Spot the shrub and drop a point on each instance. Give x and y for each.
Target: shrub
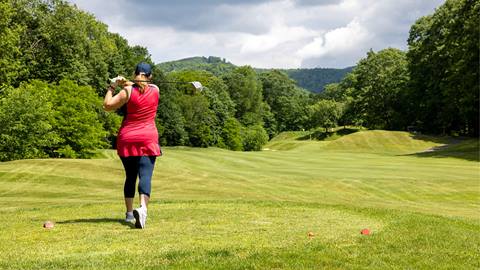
(26, 118)
(40, 120)
(77, 120)
(231, 134)
(254, 137)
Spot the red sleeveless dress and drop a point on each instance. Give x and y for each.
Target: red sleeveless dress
(138, 135)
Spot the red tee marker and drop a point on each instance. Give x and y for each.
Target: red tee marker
(365, 232)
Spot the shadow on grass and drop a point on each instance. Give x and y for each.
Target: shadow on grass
(321, 135)
(98, 220)
(461, 148)
(436, 139)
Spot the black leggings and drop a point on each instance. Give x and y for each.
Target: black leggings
(141, 167)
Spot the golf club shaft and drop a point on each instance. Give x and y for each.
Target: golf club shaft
(162, 82)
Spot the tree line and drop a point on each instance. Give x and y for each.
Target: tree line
(56, 59)
(433, 87)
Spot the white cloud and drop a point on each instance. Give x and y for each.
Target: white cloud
(278, 35)
(267, 33)
(337, 41)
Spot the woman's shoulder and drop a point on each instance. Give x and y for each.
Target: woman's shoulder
(154, 86)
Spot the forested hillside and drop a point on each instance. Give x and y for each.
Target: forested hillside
(313, 79)
(216, 65)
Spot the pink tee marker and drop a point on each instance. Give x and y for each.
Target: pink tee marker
(48, 225)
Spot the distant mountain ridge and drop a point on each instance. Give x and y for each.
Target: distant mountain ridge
(313, 79)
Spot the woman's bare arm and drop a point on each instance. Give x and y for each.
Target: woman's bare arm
(113, 102)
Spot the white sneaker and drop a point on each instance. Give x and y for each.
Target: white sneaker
(129, 217)
(140, 215)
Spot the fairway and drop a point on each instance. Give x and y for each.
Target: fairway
(218, 209)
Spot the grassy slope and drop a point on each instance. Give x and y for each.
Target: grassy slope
(220, 209)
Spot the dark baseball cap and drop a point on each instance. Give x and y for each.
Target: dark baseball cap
(143, 68)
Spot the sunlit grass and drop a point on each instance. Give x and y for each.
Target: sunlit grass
(218, 209)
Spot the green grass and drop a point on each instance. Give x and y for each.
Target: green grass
(218, 209)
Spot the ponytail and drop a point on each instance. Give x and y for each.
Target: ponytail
(142, 86)
(143, 83)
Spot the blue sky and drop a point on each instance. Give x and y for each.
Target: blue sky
(263, 33)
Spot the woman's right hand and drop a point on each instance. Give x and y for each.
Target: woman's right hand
(118, 81)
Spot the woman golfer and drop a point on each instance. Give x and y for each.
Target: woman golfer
(137, 141)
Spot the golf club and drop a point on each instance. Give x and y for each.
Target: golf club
(196, 85)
